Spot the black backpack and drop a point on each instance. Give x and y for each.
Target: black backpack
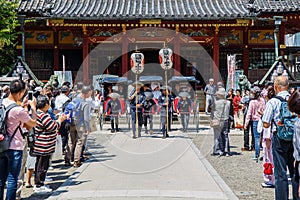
(5, 139)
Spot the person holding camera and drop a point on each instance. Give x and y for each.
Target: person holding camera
(11, 160)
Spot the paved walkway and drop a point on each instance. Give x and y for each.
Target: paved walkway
(145, 168)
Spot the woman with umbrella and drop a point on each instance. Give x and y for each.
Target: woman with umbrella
(183, 108)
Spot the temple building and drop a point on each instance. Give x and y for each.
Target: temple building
(73, 28)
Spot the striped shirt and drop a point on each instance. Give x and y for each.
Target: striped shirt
(45, 134)
(272, 110)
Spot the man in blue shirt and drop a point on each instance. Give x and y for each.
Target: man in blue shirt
(282, 149)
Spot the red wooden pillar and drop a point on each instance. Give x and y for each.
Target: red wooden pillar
(85, 47)
(56, 51)
(124, 68)
(281, 39)
(216, 55)
(176, 56)
(246, 63)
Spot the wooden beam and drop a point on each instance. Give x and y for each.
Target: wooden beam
(85, 51)
(246, 63)
(124, 68)
(216, 55)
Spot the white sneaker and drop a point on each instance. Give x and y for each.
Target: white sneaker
(48, 179)
(42, 189)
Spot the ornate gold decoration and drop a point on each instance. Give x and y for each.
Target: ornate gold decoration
(282, 46)
(242, 21)
(84, 30)
(217, 29)
(177, 28)
(150, 21)
(55, 21)
(124, 28)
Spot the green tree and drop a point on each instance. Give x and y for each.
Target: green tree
(8, 34)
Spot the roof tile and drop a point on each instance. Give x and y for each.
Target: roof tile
(170, 9)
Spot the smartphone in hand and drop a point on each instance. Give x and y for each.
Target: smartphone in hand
(30, 95)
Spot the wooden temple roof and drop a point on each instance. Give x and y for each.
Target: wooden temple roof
(146, 9)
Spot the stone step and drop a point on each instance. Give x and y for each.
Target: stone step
(203, 119)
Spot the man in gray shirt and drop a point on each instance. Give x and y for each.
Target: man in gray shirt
(209, 91)
(81, 129)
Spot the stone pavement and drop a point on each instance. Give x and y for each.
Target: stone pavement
(146, 168)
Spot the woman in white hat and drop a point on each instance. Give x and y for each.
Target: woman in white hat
(221, 112)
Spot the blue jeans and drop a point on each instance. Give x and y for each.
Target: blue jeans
(10, 165)
(256, 139)
(283, 158)
(185, 118)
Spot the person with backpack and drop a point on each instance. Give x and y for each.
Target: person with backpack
(15, 116)
(278, 117)
(79, 112)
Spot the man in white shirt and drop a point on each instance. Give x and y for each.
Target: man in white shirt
(62, 98)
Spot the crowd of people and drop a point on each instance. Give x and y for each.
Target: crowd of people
(144, 101)
(271, 114)
(50, 112)
(35, 117)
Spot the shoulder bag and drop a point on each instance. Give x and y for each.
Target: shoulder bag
(216, 123)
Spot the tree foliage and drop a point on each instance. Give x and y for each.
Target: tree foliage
(8, 33)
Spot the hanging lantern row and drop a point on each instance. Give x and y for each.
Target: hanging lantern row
(137, 60)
